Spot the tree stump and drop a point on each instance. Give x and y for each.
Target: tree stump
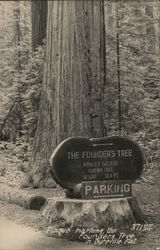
(66, 215)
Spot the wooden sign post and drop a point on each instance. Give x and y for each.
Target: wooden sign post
(98, 176)
(115, 159)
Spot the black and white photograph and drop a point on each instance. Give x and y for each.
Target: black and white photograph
(80, 125)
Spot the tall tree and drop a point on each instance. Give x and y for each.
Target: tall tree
(39, 22)
(73, 82)
(118, 72)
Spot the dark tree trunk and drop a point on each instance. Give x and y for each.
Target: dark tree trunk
(118, 74)
(21, 198)
(39, 22)
(72, 92)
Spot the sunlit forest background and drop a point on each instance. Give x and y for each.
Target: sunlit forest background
(132, 73)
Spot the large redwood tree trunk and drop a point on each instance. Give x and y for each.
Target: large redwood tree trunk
(72, 92)
(39, 22)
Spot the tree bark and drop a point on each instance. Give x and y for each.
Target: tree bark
(88, 214)
(21, 198)
(39, 22)
(118, 72)
(72, 91)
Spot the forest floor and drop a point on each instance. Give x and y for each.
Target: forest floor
(13, 163)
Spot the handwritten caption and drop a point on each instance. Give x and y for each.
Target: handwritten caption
(100, 236)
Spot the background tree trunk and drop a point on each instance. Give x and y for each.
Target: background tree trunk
(72, 91)
(39, 22)
(118, 72)
(21, 198)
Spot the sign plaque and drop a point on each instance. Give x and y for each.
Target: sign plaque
(79, 159)
(105, 189)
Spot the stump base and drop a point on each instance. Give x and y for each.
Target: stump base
(66, 215)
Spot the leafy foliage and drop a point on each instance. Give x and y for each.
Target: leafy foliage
(21, 70)
(31, 80)
(139, 68)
